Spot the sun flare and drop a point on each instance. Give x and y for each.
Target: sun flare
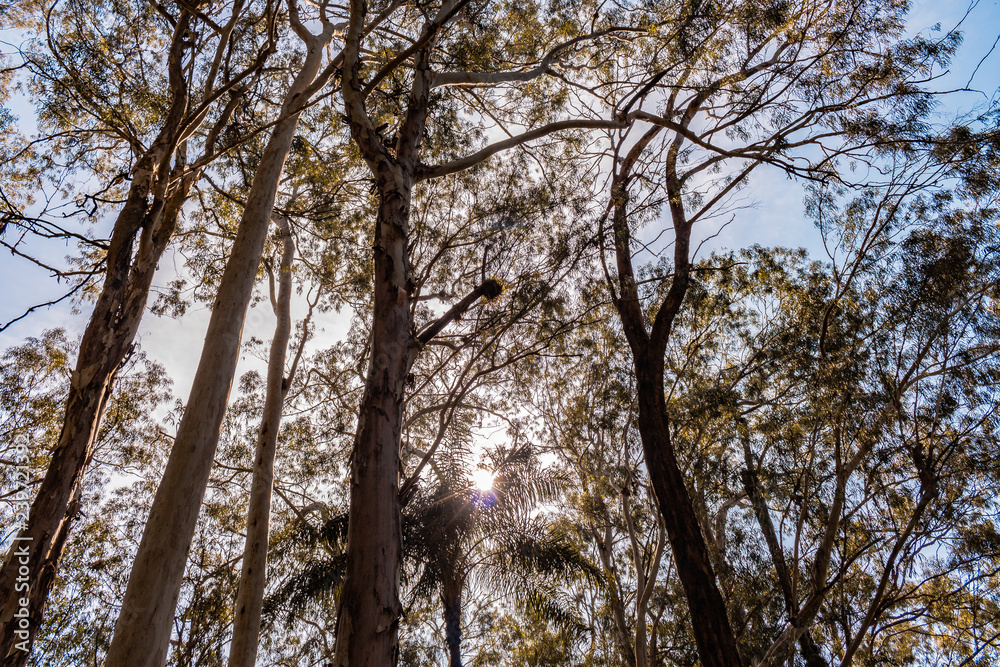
(482, 479)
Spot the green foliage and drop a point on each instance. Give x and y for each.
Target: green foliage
(864, 381)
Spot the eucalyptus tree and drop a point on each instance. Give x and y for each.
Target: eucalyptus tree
(587, 411)
(131, 455)
(143, 629)
(317, 206)
(803, 87)
(467, 375)
(250, 596)
(740, 313)
(838, 416)
(79, 622)
(314, 218)
(922, 340)
(99, 84)
(435, 48)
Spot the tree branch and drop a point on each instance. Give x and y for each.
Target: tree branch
(424, 172)
(490, 289)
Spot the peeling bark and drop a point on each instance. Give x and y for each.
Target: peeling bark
(367, 624)
(367, 627)
(370, 609)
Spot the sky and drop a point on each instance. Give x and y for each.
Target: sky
(776, 217)
(773, 216)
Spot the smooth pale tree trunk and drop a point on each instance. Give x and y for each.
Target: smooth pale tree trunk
(142, 632)
(250, 594)
(626, 642)
(644, 584)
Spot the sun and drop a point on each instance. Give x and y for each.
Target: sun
(482, 479)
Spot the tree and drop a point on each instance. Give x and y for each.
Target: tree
(143, 629)
(250, 597)
(370, 606)
(35, 385)
(743, 86)
(78, 79)
(588, 411)
(825, 398)
(467, 371)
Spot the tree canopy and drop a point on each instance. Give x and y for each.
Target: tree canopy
(471, 379)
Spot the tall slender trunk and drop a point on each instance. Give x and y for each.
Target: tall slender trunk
(645, 581)
(368, 618)
(624, 639)
(640, 647)
(451, 600)
(142, 632)
(250, 594)
(370, 610)
(717, 646)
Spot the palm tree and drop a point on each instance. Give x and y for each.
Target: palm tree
(457, 533)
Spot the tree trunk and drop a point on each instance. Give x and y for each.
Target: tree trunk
(640, 647)
(22, 638)
(368, 618)
(367, 627)
(250, 594)
(142, 632)
(625, 641)
(645, 582)
(712, 632)
(106, 342)
(451, 599)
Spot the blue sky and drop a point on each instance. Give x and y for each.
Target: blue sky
(776, 216)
